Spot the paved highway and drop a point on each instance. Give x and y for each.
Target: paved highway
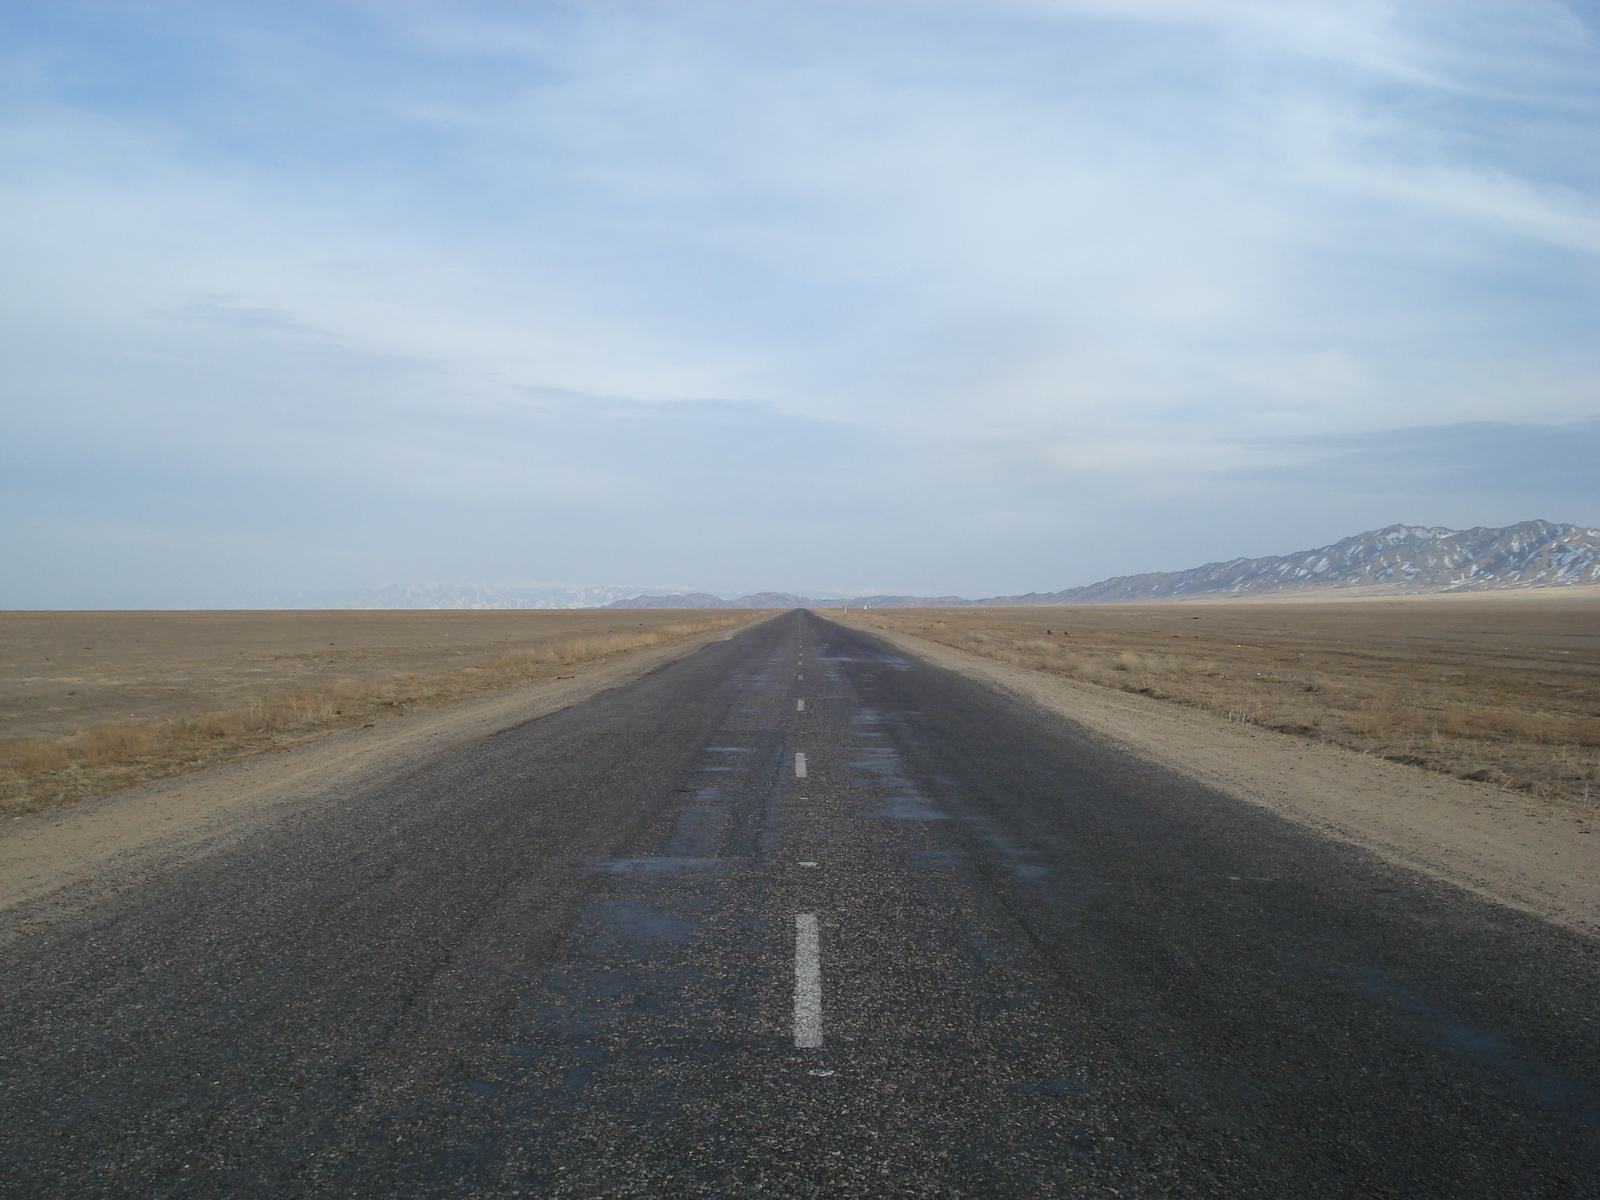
(798, 916)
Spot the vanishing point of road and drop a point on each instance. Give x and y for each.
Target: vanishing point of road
(797, 915)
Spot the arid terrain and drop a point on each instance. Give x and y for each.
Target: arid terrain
(1502, 688)
(95, 701)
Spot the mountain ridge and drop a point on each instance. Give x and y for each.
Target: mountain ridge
(1402, 558)
(456, 596)
(1398, 559)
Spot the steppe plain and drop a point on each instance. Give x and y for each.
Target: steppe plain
(91, 702)
(1457, 734)
(1496, 687)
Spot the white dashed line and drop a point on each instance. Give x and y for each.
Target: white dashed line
(799, 706)
(807, 983)
(799, 765)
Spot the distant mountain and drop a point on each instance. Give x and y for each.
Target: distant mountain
(704, 600)
(903, 602)
(1399, 559)
(786, 600)
(457, 595)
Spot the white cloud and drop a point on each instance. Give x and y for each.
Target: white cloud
(1041, 259)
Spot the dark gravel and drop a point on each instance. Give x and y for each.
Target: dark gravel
(559, 962)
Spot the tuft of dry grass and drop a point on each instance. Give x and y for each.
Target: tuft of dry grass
(43, 771)
(1477, 703)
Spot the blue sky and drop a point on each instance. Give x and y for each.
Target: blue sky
(878, 295)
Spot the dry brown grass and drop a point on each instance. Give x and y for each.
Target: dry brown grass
(1500, 693)
(48, 769)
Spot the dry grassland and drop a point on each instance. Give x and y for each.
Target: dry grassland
(1491, 688)
(91, 702)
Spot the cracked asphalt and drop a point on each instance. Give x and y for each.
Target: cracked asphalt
(561, 961)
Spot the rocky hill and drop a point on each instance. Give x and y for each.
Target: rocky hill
(704, 600)
(1396, 560)
(449, 596)
(785, 600)
(1399, 559)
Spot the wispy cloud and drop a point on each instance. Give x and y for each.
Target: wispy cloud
(949, 296)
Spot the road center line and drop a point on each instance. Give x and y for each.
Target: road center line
(799, 765)
(799, 706)
(807, 983)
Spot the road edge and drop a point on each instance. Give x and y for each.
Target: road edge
(1499, 845)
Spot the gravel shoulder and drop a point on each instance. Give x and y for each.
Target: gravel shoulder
(1501, 845)
(56, 863)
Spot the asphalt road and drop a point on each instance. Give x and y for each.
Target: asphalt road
(575, 959)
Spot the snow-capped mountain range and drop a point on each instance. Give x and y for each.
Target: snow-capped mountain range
(1397, 560)
(1401, 558)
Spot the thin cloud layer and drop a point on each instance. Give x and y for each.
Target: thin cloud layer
(950, 297)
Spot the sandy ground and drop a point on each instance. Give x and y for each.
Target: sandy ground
(57, 863)
(1510, 848)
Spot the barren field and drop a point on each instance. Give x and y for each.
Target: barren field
(1504, 689)
(95, 701)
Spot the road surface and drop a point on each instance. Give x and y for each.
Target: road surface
(798, 916)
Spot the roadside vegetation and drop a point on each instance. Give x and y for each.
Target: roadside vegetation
(1385, 682)
(38, 772)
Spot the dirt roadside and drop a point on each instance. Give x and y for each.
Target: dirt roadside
(59, 862)
(1505, 846)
